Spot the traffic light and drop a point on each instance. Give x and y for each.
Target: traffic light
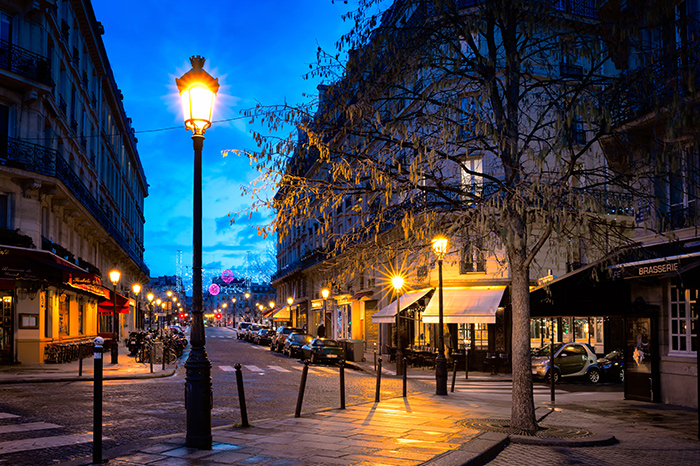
(218, 316)
(182, 316)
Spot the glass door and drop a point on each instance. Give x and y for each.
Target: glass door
(6, 333)
(641, 361)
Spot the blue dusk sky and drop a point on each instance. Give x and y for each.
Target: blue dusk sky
(260, 50)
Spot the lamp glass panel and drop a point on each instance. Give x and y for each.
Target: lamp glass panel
(197, 106)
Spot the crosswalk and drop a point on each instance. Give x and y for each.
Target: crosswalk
(491, 388)
(272, 369)
(45, 435)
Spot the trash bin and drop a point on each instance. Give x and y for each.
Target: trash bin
(354, 350)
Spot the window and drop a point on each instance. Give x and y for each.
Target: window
(470, 115)
(63, 314)
(678, 191)
(683, 318)
(472, 258)
(6, 28)
(471, 179)
(4, 217)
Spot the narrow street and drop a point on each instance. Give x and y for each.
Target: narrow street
(139, 409)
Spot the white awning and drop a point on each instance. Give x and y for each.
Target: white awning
(472, 305)
(387, 315)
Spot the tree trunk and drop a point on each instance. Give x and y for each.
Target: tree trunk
(523, 407)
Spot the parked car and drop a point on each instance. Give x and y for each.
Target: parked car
(612, 365)
(570, 360)
(280, 336)
(241, 328)
(251, 331)
(294, 342)
(322, 349)
(262, 336)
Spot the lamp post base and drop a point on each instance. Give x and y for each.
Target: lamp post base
(441, 375)
(399, 362)
(198, 399)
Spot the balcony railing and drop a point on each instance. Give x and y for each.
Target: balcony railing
(612, 203)
(46, 161)
(25, 63)
(680, 218)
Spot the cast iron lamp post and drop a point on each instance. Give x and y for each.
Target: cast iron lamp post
(324, 293)
(197, 91)
(150, 297)
(114, 276)
(290, 301)
(440, 249)
(397, 283)
(136, 288)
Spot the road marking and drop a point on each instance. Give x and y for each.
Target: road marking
(27, 427)
(227, 368)
(7, 415)
(327, 370)
(15, 446)
(252, 368)
(279, 369)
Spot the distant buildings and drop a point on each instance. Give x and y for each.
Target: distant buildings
(72, 187)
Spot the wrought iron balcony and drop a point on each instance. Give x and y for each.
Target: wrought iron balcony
(25, 63)
(680, 218)
(46, 161)
(612, 203)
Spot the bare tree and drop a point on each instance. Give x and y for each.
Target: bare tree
(475, 119)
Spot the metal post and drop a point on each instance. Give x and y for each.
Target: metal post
(151, 350)
(399, 350)
(198, 390)
(379, 381)
(165, 344)
(375, 360)
(241, 396)
(440, 362)
(97, 404)
(342, 384)
(551, 361)
(115, 329)
(80, 359)
(302, 387)
(466, 364)
(403, 362)
(454, 374)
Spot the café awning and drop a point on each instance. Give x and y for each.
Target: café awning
(34, 264)
(106, 306)
(468, 305)
(387, 315)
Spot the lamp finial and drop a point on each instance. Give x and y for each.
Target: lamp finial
(197, 62)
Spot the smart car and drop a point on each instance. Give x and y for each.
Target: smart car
(570, 360)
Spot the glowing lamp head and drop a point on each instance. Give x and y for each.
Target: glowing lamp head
(271, 304)
(136, 288)
(247, 295)
(150, 297)
(169, 293)
(397, 282)
(197, 92)
(114, 276)
(158, 301)
(440, 247)
(290, 300)
(325, 293)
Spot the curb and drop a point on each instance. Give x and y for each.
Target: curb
(595, 441)
(91, 378)
(476, 452)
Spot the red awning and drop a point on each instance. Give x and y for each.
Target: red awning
(33, 264)
(107, 306)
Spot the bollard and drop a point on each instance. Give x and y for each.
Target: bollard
(466, 364)
(151, 351)
(405, 370)
(241, 396)
(375, 360)
(379, 381)
(454, 375)
(80, 359)
(97, 403)
(165, 346)
(302, 387)
(342, 384)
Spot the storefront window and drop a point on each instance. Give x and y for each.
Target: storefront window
(81, 317)
(683, 320)
(63, 315)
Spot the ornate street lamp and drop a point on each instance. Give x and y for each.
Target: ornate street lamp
(114, 276)
(136, 288)
(397, 283)
(197, 91)
(150, 297)
(290, 301)
(440, 250)
(324, 293)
